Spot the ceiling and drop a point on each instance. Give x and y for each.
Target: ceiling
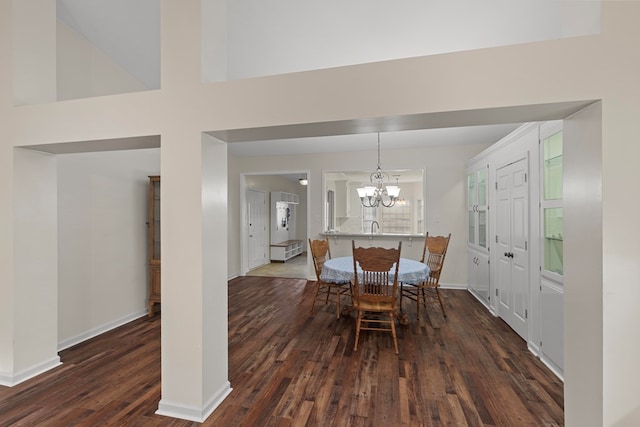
(368, 141)
(136, 47)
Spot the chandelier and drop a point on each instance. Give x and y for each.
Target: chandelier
(372, 196)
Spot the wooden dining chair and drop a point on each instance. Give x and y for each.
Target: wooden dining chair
(327, 291)
(433, 254)
(375, 290)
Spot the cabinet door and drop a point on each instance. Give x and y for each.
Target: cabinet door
(482, 215)
(342, 199)
(478, 207)
(471, 207)
(478, 271)
(482, 276)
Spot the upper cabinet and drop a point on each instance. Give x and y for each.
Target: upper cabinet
(478, 206)
(347, 202)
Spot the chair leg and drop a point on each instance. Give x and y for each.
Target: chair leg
(393, 331)
(337, 303)
(444, 313)
(358, 320)
(315, 297)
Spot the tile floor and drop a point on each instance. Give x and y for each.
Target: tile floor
(294, 268)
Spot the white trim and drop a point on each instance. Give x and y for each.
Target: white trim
(535, 350)
(100, 330)
(484, 303)
(199, 415)
(9, 380)
(505, 141)
(453, 286)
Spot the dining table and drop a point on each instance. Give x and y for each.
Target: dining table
(340, 270)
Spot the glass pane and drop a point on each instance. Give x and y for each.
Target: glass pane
(396, 219)
(472, 227)
(471, 187)
(552, 173)
(482, 229)
(553, 244)
(482, 187)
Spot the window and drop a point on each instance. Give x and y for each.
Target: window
(551, 203)
(347, 215)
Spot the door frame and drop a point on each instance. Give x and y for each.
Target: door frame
(244, 228)
(265, 257)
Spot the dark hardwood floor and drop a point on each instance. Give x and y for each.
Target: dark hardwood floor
(288, 367)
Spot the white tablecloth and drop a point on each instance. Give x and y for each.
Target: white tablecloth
(340, 270)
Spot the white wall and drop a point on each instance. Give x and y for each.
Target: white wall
(36, 331)
(84, 71)
(102, 243)
(34, 52)
(267, 38)
(445, 203)
(584, 323)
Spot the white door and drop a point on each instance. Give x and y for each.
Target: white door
(512, 231)
(257, 205)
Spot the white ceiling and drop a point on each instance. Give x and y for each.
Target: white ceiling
(126, 31)
(129, 33)
(368, 141)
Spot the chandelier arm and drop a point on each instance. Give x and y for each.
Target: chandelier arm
(378, 178)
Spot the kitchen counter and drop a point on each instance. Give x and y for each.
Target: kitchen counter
(338, 235)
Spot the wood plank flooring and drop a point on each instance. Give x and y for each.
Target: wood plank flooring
(289, 367)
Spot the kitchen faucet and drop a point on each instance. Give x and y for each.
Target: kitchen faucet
(374, 223)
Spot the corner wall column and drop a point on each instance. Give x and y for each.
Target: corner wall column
(194, 275)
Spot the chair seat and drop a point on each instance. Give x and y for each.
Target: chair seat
(376, 305)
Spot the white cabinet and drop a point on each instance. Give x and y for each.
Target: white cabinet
(343, 202)
(552, 326)
(478, 206)
(286, 250)
(478, 231)
(281, 196)
(478, 275)
(284, 244)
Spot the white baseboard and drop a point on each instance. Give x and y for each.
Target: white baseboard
(9, 380)
(174, 410)
(100, 330)
(453, 286)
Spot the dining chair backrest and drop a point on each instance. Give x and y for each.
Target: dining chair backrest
(434, 252)
(320, 252)
(373, 281)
